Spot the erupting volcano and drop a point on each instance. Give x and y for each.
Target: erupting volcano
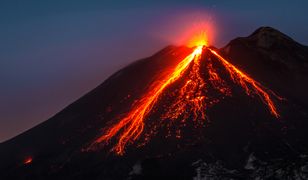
(186, 112)
(189, 99)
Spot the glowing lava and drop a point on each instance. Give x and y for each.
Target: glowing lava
(132, 125)
(250, 85)
(189, 100)
(28, 160)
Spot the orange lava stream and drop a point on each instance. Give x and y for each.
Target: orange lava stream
(246, 82)
(196, 92)
(190, 96)
(132, 125)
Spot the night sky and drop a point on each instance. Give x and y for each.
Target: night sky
(54, 51)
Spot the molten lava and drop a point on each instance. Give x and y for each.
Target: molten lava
(189, 101)
(132, 125)
(250, 85)
(28, 160)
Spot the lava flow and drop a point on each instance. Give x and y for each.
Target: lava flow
(245, 81)
(189, 101)
(132, 125)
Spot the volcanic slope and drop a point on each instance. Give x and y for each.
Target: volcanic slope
(230, 113)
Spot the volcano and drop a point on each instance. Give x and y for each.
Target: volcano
(239, 112)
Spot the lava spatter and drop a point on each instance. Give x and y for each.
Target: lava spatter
(191, 99)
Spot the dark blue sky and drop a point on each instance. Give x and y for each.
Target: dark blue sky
(54, 51)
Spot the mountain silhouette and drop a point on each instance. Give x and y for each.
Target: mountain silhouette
(235, 135)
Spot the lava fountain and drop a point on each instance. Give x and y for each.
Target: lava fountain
(191, 99)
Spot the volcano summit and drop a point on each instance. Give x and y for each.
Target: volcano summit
(183, 113)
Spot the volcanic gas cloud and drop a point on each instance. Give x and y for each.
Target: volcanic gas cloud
(190, 100)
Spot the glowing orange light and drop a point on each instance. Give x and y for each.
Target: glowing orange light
(199, 39)
(250, 85)
(28, 160)
(133, 123)
(189, 101)
(190, 28)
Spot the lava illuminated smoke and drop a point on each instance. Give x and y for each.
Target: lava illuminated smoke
(190, 100)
